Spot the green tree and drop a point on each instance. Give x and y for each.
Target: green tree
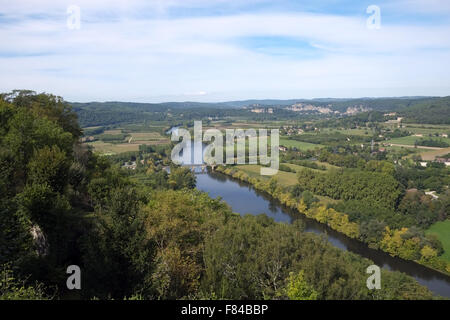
(298, 289)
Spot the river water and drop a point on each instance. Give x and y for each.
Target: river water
(244, 199)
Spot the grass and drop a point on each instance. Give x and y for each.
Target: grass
(112, 148)
(148, 136)
(410, 140)
(352, 132)
(113, 131)
(411, 148)
(297, 167)
(138, 138)
(442, 230)
(286, 179)
(430, 155)
(426, 129)
(300, 145)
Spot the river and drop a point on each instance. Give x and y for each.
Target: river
(244, 199)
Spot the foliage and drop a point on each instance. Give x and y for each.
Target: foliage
(298, 288)
(12, 288)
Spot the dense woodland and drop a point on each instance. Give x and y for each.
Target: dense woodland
(159, 238)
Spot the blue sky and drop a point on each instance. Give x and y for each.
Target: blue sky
(217, 50)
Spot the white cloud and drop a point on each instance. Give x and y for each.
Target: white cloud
(128, 58)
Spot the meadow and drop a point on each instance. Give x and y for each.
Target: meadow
(410, 140)
(353, 132)
(106, 148)
(442, 230)
(300, 145)
(286, 179)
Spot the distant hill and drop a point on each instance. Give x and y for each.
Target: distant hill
(414, 109)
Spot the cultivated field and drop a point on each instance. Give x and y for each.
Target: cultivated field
(112, 148)
(410, 140)
(284, 178)
(148, 136)
(300, 145)
(430, 155)
(353, 132)
(131, 142)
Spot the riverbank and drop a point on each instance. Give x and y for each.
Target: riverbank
(392, 239)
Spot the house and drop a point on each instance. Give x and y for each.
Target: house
(130, 165)
(432, 194)
(282, 148)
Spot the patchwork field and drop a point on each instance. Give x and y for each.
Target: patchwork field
(134, 140)
(442, 230)
(284, 178)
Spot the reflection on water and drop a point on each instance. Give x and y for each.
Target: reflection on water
(243, 199)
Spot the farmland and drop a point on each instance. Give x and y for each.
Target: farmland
(410, 140)
(119, 140)
(300, 145)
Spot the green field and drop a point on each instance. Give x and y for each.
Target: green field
(302, 146)
(426, 129)
(298, 167)
(108, 148)
(410, 140)
(352, 132)
(111, 148)
(286, 179)
(442, 230)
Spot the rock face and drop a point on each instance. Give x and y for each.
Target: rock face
(39, 240)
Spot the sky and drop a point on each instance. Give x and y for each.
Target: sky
(222, 50)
